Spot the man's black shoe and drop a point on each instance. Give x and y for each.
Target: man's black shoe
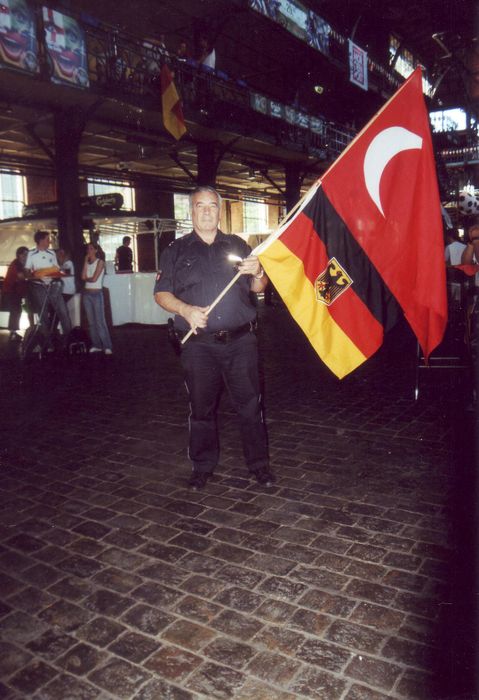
(264, 477)
(198, 480)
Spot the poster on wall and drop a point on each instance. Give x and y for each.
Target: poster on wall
(66, 48)
(358, 65)
(18, 40)
(297, 19)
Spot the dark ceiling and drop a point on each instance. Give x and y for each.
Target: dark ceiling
(439, 32)
(122, 141)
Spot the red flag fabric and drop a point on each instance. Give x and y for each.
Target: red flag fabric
(173, 119)
(367, 240)
(468, 270)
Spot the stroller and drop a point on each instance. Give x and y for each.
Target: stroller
(37, 341)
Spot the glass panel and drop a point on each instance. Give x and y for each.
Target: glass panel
(12, 195)
(182, 206)
(255, 217)
(406, 62)
(448, 120)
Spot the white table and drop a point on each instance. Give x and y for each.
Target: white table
(131, 301)
(131, 298)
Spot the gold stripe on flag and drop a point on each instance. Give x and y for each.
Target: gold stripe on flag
(332, 344)
(173, 119)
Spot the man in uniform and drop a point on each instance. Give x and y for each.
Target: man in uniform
(223, 346)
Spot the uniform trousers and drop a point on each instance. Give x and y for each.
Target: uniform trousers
(208, 365)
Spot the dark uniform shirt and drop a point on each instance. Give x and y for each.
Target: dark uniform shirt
(125, 258)
(197, 273)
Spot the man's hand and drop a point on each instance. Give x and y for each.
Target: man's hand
(197, 317)
(250, 266)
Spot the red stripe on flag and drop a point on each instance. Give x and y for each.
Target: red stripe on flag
(348, 310)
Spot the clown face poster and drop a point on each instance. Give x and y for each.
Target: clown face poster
(18, 40)
(66, 48)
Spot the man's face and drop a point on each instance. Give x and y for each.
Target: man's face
(205, 212)
(44, 243)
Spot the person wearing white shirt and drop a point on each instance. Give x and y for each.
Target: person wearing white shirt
(92, 274)
(470, 256)
(68, 269)
(454, 250)
(43, 272)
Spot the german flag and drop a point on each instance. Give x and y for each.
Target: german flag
(173, 119)
(367, 241)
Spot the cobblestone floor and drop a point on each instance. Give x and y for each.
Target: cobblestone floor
(351, 579)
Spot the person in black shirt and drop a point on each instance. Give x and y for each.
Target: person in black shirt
(124, 256)
(194, 269)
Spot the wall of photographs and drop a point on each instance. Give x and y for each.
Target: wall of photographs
(25, 35)
(297, 19)
(66, 48)
(18, 36)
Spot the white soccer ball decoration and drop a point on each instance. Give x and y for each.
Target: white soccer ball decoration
(468, 203)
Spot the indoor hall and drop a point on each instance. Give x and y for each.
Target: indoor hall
(353, 576)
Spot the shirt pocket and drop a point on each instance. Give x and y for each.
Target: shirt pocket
(188, 272)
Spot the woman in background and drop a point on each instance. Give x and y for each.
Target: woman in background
(92, 274)
(14, 290)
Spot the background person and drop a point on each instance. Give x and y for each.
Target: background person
(454, 248)
(43, 271)
(223, 348)
(92, 274)
(206, 54)
(68, 269)
(124, 256)
(14, 290)
(453, 256)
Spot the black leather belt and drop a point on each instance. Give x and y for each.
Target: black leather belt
(225, 336)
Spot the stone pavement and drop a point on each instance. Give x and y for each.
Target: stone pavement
(351, 579)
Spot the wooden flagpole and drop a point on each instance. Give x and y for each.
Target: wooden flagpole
(238, 275)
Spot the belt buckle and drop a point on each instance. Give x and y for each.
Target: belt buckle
(221, 336)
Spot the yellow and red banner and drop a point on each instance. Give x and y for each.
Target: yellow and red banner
(173, 119)
(368, 241)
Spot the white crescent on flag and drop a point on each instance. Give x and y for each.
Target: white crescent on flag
(387, 144)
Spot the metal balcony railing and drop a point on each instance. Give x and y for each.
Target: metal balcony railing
(122, 65)
(468, 155)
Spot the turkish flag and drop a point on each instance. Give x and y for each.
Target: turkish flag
(367, 241)
(384, 187)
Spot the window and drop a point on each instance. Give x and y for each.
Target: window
(448, 120)
(181, 203)
(109, 186)
(405, 62)
(12, 195)
(255, 217)
(110, 242)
